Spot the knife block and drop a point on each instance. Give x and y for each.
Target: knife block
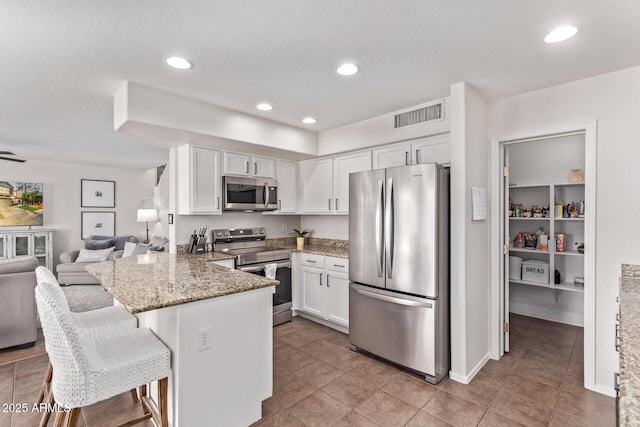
(197, 245)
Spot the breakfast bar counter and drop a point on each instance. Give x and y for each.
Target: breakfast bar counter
(216, 321)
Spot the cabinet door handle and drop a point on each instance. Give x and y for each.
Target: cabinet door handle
(338, 265)
(279, 205)
(218, 202)
(617, 337)
(406, 158)
(329, 204)
(255, 168)
(337, 204)
(246, 165)
(328, 286)
(417, 157)
(321, 278)
(312, 261)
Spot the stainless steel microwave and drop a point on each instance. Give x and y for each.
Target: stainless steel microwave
(249, 194)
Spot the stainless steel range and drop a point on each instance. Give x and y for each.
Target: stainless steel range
(252, 255)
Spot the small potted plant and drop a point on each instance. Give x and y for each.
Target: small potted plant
(300, 237)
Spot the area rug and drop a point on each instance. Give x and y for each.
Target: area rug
(87, 297)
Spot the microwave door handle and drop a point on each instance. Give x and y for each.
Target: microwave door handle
(379, 228)
(266, 194)
(388, 228)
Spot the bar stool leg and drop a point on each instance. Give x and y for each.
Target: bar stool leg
(162, 397)
(44, 420)
(72, 417)
(134, 395)
(46, 384)
(59, 420)
(143, 394)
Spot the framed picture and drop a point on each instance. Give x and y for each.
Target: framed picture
(97, 194)
(98, 223)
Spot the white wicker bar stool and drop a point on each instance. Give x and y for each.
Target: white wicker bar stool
(90, 369)
(101, 322)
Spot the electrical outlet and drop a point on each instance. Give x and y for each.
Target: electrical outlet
(204, 338)
(284, 226)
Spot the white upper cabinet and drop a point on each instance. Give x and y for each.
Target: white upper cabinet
(199, 181)
(287, 176)
(325, 182)
(317, 185)
(263, 167)
(342, 167)
(435, 149)
(431, 150)
(392, 156)
(245, 165)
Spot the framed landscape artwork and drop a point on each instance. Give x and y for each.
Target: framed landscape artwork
(21, 204)
(97, 194)
(98, 223)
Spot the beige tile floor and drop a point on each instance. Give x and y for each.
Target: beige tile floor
(319, 382)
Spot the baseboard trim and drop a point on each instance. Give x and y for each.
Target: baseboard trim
(466, 379)
(543, 316)
(322, 321)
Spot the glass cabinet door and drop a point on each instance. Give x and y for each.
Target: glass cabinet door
(21, 245)
(3, 247)
(39, 245)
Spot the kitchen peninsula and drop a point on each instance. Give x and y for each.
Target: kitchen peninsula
(216, 321)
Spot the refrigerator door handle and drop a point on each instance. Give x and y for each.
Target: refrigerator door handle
(388, 228)
(394, 300)
(379, 228)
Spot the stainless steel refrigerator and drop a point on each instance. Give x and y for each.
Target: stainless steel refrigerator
(399, 266)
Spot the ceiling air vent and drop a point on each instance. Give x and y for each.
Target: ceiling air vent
(421, 115)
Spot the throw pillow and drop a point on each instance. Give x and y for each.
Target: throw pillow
(157, 243)
(87, 255)
(98, 244)
(133, 249)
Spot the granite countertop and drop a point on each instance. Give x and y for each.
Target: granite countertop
(326, 247)
(149, 282)
(629, 345)
(321, 250)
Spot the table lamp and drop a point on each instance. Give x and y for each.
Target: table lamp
(146, 215)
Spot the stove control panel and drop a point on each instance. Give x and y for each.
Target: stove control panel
(238, 234)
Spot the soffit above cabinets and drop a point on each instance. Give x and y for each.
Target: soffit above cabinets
(163, 120)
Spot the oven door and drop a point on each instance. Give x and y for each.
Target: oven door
(242, 194)
(282, 296)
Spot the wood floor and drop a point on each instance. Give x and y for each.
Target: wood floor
(319, 382)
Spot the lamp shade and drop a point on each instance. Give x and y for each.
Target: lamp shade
(147, 215)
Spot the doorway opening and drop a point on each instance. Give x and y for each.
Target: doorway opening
(543, 298)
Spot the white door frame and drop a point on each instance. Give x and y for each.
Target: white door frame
(497, 239)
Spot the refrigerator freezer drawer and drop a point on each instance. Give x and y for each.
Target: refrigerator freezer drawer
(397, 327)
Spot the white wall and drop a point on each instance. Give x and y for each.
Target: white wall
(62, 197)
(613, 100)
(470, 304)
(377, 131)
(327, 226)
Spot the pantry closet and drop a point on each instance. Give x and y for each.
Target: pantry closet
(545, 205)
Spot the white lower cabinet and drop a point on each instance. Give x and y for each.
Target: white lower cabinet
(337, 309)
(321, 287)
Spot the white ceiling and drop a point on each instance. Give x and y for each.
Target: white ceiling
(64, 59)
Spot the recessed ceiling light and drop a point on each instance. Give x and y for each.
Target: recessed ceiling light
(179, 63)
(347, 69)
(264, 107)
(561, 34)
(309, 120)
